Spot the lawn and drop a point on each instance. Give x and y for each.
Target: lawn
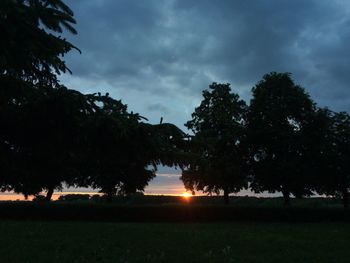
(34, 241)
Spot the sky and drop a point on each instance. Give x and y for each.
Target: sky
(158, 56)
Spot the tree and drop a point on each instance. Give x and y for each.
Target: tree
(31, 48)
(31, 56)
(116, 160)
(48, 141)
(333, 176)
(122, 152)
(216, 147)
(277, 122)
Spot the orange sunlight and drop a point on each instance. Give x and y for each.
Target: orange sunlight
(186, 196)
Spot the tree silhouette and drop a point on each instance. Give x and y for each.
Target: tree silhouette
(122, 152)
(333, 176)
(216, 147)
(114, 160)
(278, 117)
(48, 141)
(31, 56)
(31, 48)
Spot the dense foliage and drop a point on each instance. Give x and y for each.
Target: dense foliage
(31, 47)
(332, 172)
(218, 127)
(277, 123)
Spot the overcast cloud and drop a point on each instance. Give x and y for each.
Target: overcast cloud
(157, 56)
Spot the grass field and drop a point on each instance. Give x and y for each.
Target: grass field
(171, 212)
(34, 241)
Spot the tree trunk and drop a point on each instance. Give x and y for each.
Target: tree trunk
(286, 197)
(226, 196)
(346, 198)
(109, 195)
(49, 194)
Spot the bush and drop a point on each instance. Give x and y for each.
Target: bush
(74, 197)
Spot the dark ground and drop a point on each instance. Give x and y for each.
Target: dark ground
(35, 241)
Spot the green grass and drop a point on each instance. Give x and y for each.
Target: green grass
(34, 241)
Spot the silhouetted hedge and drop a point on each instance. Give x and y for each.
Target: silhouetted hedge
(74, 197)
(167, 213)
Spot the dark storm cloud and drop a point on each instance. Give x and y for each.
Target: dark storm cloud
(157, 56)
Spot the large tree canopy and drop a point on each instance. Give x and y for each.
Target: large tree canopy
(278, 118)
(122, 152)
(38, 116)
(47, 141)
(110, 148)
(216, 147)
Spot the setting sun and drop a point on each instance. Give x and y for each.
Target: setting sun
(186, 195)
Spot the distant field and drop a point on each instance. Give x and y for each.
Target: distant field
(178, 209)
(202, 200)
(36, 242)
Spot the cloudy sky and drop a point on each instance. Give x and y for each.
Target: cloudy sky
(157, 56)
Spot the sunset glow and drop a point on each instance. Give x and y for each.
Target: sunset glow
(186, 195)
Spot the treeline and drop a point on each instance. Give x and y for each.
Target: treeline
(281, 142)
(51, 135)
(59, 136)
